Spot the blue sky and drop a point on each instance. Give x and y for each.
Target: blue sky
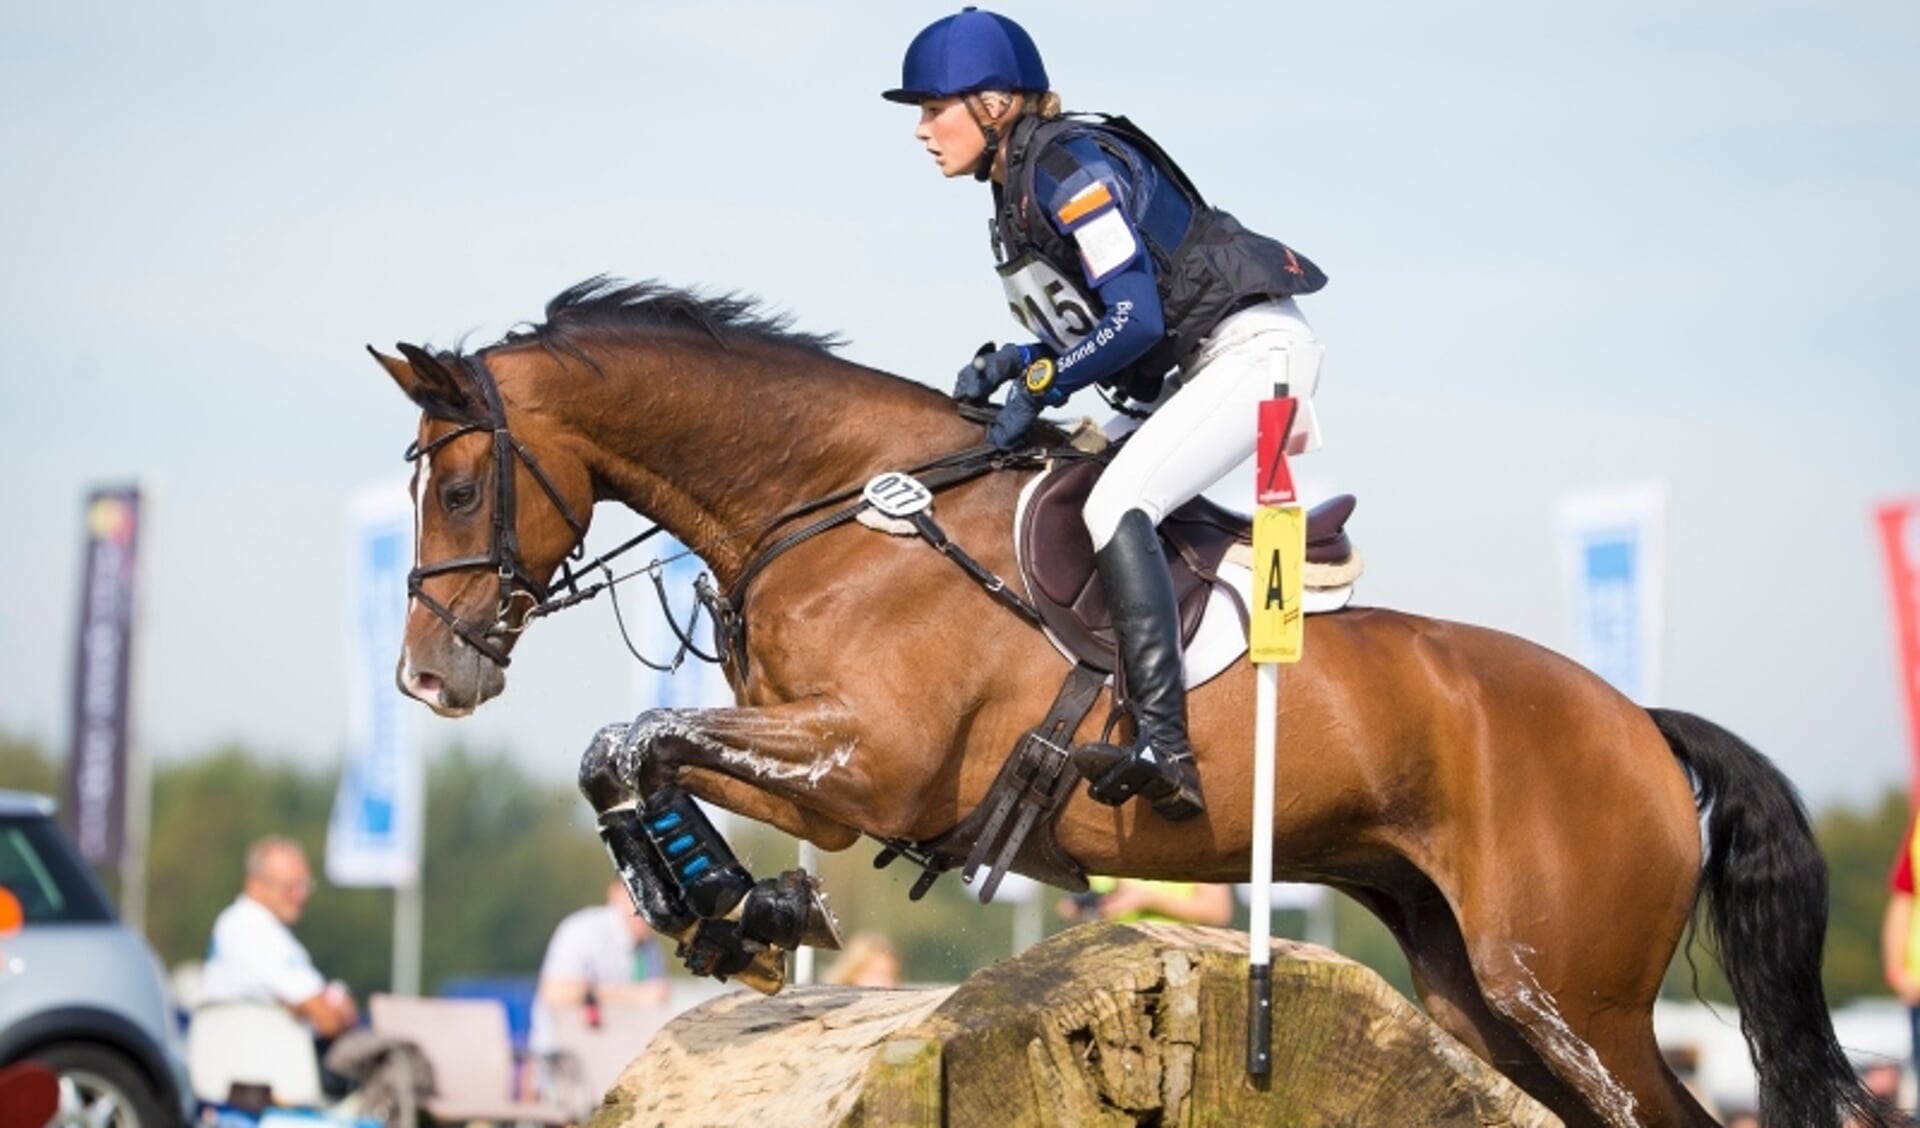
(1571, 247)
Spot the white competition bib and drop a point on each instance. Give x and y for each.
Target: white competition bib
(1050, 306)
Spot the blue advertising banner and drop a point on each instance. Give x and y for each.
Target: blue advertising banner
(373, 836)
(696, 684)
(96, 808)
(1612, 561)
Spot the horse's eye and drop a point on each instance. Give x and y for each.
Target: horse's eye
(459, 495)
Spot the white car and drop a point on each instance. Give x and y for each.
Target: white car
(81, 992)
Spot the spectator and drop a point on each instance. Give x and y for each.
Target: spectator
(254, 957)
(1881, 1079)
(869, 960)
(1130, 899)
(602, 954)
(1899, 942)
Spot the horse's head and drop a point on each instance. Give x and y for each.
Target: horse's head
(482, 561)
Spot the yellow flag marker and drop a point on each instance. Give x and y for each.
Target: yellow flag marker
(1279, 555)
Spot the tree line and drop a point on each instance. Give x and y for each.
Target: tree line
(507, 855)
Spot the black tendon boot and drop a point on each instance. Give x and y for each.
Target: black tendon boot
(700, 861)
(1147, 620)
(655, 895)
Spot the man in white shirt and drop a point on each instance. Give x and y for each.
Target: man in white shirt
(600, 954)
(254, 956)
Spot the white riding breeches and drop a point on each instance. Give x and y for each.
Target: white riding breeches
(1203, 424)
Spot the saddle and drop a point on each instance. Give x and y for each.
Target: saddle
(1056, 558)
(1055, 551)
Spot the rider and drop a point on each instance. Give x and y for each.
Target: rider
(1129, 280)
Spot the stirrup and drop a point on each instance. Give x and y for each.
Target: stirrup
(1117, 774)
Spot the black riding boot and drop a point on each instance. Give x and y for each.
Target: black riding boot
(1147, 620)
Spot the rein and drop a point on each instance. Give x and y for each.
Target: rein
(517, 582)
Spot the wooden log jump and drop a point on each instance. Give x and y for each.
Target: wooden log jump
(1102, 1025)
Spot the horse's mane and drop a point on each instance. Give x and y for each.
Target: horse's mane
(608, 307)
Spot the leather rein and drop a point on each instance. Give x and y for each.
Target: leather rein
(517, 583)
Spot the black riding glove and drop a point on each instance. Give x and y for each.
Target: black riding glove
(989, 368)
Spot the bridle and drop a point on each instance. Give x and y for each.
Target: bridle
(517, 582)
(503, 550)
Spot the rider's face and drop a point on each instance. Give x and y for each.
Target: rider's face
(951, 135)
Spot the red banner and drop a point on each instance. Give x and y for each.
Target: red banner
(1900, 533)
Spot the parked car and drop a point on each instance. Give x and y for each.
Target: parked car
(81, 992)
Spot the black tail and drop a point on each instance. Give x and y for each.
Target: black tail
(1765, 885)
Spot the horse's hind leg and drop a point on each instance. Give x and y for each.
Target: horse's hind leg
(1423, 923)
(1575, 971)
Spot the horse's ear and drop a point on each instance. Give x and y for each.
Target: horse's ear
(400, 370)
(429, 383)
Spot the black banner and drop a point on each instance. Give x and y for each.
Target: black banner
(95, 812)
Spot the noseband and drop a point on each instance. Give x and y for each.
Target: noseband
(503, 551)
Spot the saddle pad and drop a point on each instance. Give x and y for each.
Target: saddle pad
(1207, 555)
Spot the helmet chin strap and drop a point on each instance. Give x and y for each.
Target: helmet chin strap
(989, 129)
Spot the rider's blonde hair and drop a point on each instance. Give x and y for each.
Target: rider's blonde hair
(1044, 103)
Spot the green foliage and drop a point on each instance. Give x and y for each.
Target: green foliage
(507, 857)
(24, 766)
(1860, 847)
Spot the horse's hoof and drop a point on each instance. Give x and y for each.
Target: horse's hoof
(766, 972)
(822, 929)
(788, 911)
(719, 949)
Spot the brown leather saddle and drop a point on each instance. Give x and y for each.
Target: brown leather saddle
(1056, 557)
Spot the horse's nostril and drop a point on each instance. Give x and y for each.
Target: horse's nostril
(426, 686)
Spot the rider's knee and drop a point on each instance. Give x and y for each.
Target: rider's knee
(1103, 513)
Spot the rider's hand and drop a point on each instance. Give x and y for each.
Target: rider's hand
(1009, 429)
(989, 368)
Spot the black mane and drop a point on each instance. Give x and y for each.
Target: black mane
(603, 306)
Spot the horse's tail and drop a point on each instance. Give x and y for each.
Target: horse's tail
(1765, 885)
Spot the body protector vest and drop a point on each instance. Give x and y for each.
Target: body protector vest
(1216, 268)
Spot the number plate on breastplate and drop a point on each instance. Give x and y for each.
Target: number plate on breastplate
(897, 495)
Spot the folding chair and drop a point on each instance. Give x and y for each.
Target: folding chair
(467, 1043)
(593, 1056)
(252, 1044)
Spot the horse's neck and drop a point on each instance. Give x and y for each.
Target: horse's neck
(714, 448)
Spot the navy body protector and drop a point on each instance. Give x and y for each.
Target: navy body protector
(1217, 268)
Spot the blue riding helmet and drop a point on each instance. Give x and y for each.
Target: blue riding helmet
(969, 51)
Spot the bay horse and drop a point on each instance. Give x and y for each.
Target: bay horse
(1535, 841)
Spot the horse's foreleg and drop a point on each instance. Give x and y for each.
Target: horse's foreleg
(639, 760)
(808, 753)
(784, 815)
(710, 946)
